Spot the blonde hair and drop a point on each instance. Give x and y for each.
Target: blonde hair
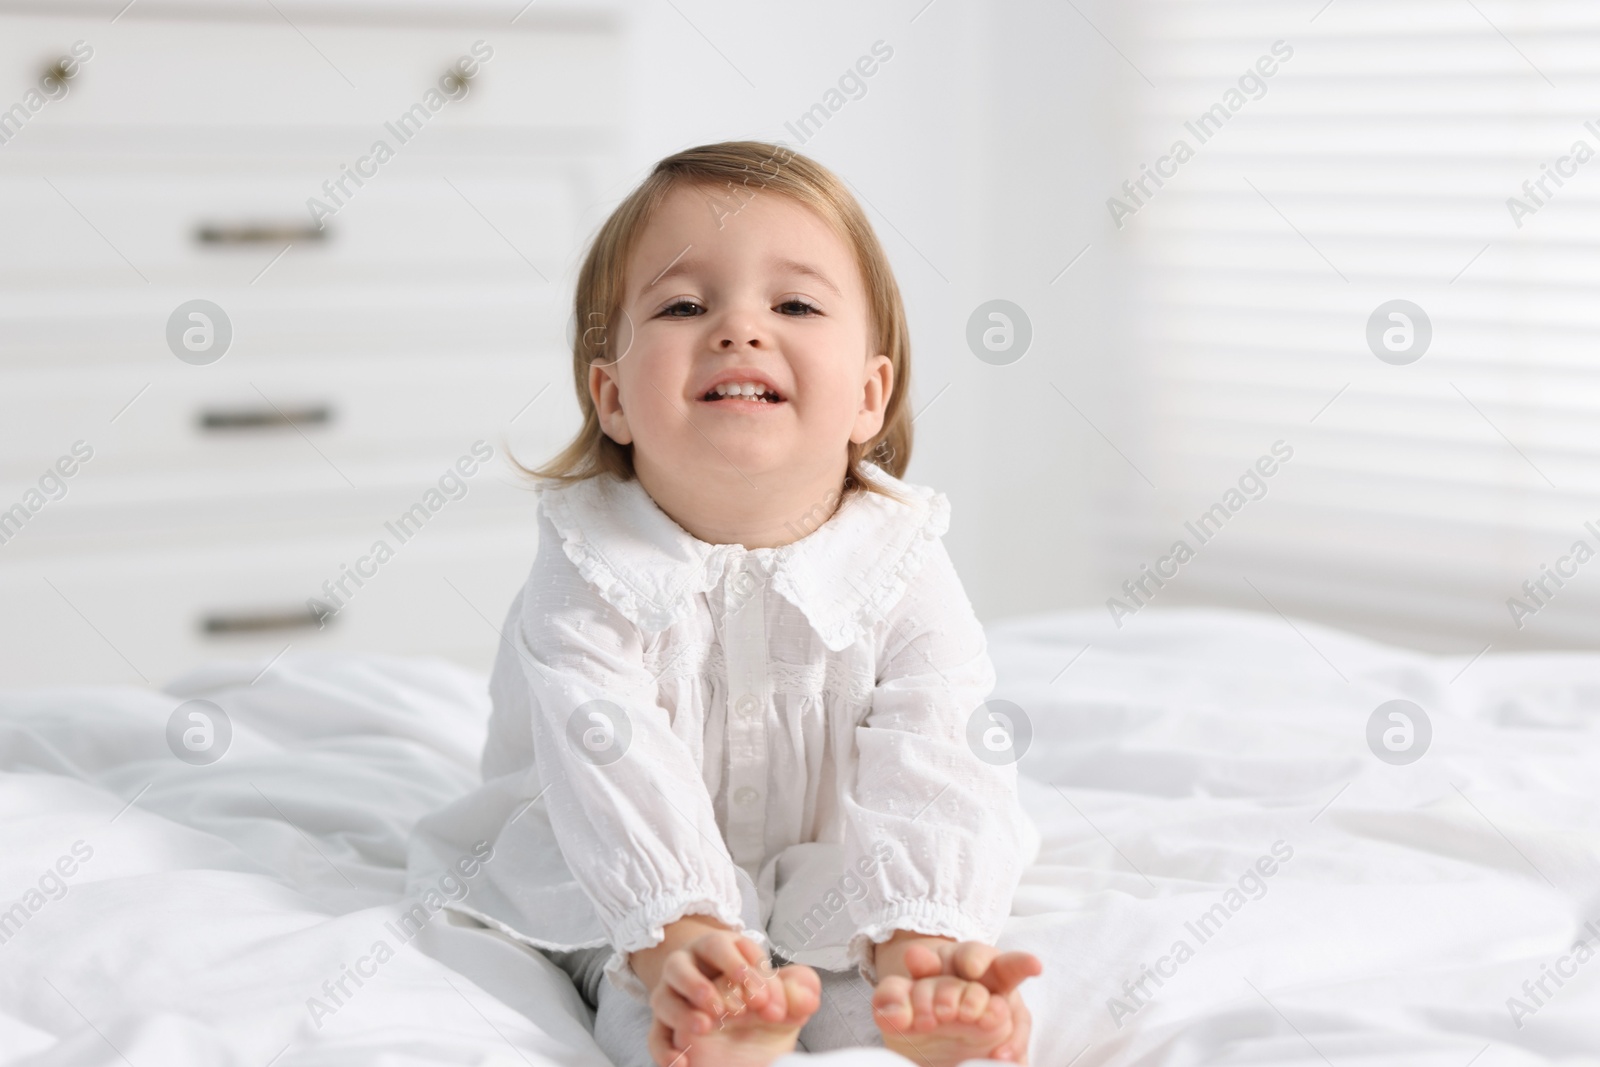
(745, 169)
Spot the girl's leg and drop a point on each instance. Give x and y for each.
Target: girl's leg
(585, 966)
(621, 1024)
(622, 1027)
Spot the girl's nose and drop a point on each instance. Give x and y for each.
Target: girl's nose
(740, 328)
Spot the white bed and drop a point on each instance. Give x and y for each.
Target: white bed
(1166, 761)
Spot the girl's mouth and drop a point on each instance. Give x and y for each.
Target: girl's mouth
(742, 395)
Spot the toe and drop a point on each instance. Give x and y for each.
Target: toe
(802, 990)
(947, 998)
(973, 1002)
(891, 1002)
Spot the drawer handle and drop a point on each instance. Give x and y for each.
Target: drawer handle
(267, 418)
(258, 233)
(257, 622)
(62, 70)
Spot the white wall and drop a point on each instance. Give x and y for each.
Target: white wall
(978, 149)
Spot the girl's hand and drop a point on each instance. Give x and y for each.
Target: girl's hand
(715, 975)
(719, 1002)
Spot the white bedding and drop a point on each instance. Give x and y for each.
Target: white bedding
(1416, 901)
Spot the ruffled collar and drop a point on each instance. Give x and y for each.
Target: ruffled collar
(841, 576)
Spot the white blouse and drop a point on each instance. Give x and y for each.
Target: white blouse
(783, 738)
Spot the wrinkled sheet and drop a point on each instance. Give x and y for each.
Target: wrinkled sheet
(223, 914)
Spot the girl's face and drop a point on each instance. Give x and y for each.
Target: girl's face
(768, 295)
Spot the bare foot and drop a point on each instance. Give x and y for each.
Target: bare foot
(958, 1005)
(719, 1003)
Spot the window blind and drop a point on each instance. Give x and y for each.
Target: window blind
(1445, 463)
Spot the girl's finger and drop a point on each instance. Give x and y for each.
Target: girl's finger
(921, 961)
(756, 960)
(722, 955)
(970, 959)
(1010, 969)
(750, 951)
(1015, 1048)
(671, 1007)
(756, 989)
(718, 953)
(996, 1016)
(759, 978)
(682, 976)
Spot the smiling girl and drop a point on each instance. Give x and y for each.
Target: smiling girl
(742, 671)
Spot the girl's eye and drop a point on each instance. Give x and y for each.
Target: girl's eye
(798, 308)
(681, 309)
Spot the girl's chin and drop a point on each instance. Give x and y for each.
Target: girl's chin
(737, 460)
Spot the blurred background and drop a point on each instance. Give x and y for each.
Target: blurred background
(1306, 288)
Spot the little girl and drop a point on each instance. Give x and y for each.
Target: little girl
(734, 710)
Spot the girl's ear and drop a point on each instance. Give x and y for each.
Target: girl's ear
(875, 393)
(606, 396)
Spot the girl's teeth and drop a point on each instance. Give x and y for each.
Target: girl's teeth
(745, 389)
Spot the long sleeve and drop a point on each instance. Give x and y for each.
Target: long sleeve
(941, 830)
(626, 802)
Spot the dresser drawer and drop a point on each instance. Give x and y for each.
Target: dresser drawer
(285, 419)
(227, 230)
(316, 67)
(96, 330)
(117, 616)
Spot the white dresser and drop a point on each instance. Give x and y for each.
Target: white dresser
(369, 356)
